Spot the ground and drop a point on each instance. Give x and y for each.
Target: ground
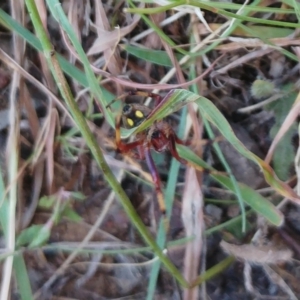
(85, 215)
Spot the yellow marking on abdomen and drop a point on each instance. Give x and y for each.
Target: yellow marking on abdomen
(130, 122)
(139, 114)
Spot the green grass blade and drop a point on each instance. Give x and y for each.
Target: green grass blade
(92, 142)
(3, 206)
(67, 67)
(158, 57)
(236, 191)
(58, 13)
(215, 270)
(213, 115)
(22, 278)
(176, 99)
(260, 204)
(210, 6)
(284, 154)
(259, 31)
(257, 202)
(222, 159)
(156, 28)
(220, 5)
(262, 35)
(169, 198)
(228, 224)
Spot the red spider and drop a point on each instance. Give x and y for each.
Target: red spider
(160, 136)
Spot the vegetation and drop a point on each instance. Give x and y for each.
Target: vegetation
(81, 220)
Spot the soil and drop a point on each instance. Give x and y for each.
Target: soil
(64, 191)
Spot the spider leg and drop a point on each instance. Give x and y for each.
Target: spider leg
(156, 180)
(181, 142)
(173, 150)
(198, 143)
(173, 140)
(141, 152)
(157, 98)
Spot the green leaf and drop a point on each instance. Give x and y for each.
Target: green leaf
(154, 56)
(234, 222)
(257, 202)
(71, 214)
(47, 202)
(78, 196)
(268, 32)
(212, 114)
(284, 153)
(22, 278)
(28, 235)
(176, 99)
(41, 237)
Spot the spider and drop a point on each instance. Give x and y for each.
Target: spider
(160, 137)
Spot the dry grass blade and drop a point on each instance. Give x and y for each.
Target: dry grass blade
(49, 149)
(12, 152)
(188, 9)
(274, 277)
(108, 39)
(44, 68)
(85, 241)
(297, 166)
(33, 119)
(161, 85)
(242, 60)
(15, 66)
(60, 178)
(192, 216)
(111, 55)
(238, 43)
(36, 191)
(258, 254)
